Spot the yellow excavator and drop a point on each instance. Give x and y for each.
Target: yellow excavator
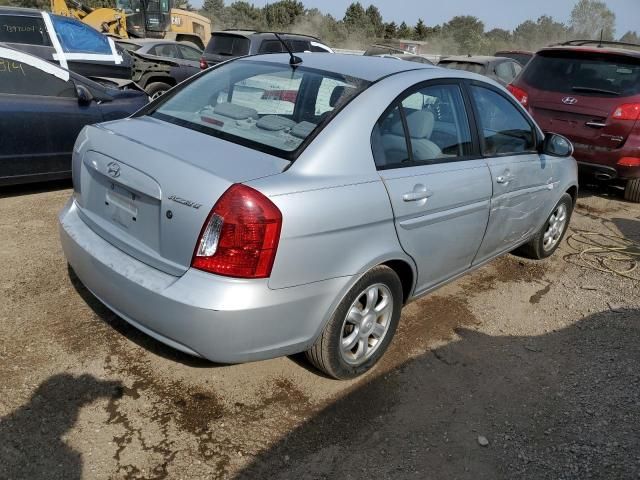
(140, 19)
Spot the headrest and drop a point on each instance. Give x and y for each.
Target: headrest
(237, 112)
(340, 94)
(420, 124)
(275, 123)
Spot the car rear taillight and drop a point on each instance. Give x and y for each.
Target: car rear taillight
(629, 162)
(521, 95)
(240, 236)
(627, 111)
(203, 64)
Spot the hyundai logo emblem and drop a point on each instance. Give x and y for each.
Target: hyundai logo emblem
(113, 169)
(569, 100)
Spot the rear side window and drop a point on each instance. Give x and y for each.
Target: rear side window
(504, 71)
(18, 78)
(231, 45)
(168, 50)
(298, 45)
(76, 37)
(503, 128)
(584, 73)
(271, 46)
(27, 30)
(432, 121)
(189, 53)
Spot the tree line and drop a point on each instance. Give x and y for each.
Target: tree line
(462, 34)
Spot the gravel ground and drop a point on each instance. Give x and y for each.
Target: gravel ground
(520, 370)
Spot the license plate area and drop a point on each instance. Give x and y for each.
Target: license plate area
(120, 206)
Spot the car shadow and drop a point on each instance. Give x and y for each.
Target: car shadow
(629, 228)
(141, 339)
(565, 404)
(31, 188)
(32, 444)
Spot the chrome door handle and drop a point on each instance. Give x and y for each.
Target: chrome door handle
(596, 124)
(504, 179)
(415, 196)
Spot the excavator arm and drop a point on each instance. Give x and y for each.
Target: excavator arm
(106, 20)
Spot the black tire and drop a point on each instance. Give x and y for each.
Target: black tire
(326, 354)
(632, 190)
(535, 248)
(157, 88)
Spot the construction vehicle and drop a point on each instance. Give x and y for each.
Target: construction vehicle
(140, 19)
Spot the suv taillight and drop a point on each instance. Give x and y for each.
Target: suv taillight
(241, 234)
(627, 111)
(203, 64)
(521, 95)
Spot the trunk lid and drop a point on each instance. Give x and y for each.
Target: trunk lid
(575, 93)
(147, 186)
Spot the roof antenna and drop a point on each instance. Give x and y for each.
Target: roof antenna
(293, 61)
(601, 34)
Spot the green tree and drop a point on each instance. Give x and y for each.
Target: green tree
(499, 35)
(404, 31)
(281, 15)
(545, 31)
(467, 33)
(630, 37)
(213, 7)
(355, 16)
(592, 18)
(375, 18)
(420, 30)
(390, 30)
(244, 15)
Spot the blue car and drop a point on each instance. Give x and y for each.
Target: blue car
(43, 108)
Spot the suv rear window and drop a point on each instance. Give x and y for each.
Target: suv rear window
(584, 73)
(467, 66)
(20, 29)
(231, 45)
(267, 106)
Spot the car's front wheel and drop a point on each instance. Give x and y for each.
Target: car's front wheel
(157, 89)
(550, 235)
(632, 190)
(362, 326)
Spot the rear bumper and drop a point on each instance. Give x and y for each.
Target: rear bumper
(222, 319)
(604, 161)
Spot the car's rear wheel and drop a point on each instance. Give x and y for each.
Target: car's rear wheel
(362, 326)
(157, 89)
(550, 235)
(632, 190)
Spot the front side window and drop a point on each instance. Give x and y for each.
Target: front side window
(27, 30)
(19, 78)
(435, 128)
(167, 50)
(76, 37)
(504, 71)
(504, 129)
(259, 104)
(189, 53)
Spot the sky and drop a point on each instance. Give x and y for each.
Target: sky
(494, 13)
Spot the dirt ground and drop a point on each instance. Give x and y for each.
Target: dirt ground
(540, 359)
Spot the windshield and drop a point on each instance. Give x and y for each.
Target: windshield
(267, 106)
(469, 67)
(584, 73)
(231, 45)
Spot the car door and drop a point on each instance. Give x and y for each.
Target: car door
(439, 187)
(40, 118)
(522, 178)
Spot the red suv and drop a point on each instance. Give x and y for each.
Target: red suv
(589, 91)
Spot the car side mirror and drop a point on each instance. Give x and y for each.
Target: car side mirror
(84, 95)
(557, 145)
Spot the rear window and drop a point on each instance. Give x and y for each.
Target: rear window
(469, 67)
(584, 73)
(231, 45)
(27, 30)
(266, 106)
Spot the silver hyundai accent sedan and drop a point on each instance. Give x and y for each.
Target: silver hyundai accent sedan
(264, 209)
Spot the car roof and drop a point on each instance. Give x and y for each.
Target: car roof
(148, 41)
(595, 49)
(526, 52)
(357, 66)
(481, 59)
(23, 12)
